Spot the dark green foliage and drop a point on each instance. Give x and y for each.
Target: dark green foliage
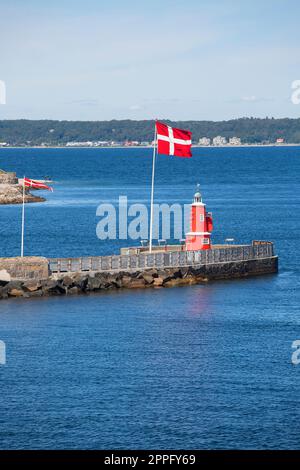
(251, 130)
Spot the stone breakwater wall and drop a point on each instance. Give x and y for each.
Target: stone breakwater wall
(34, 285)
(28, 268)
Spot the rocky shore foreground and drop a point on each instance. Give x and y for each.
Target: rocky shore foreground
(83, 283)
(13, 194)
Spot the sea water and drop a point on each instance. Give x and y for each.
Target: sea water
(200, 367)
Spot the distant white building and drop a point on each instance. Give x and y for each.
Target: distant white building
(79, 144)
(3, 144)
(234, 141)
(131, 143)
(219, 141)
(101, 143)
(116, 144)
(280, 140)
(204, 141)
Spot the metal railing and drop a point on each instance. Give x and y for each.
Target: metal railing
(258, 249)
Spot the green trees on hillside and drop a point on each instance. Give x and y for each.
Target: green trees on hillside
(250, 130)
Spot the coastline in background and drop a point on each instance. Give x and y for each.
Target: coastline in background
(251, 131)
(142, 146)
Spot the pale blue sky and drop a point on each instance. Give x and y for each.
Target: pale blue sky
(192, 59)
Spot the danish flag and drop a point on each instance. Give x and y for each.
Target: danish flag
(33, 184)
(173, 141)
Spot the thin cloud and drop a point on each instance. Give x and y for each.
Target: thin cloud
(250, 99)
(84, 102)
(135, 107)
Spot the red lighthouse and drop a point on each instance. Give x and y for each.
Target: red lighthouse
(201, 226)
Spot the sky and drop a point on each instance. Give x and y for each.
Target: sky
(167, 59)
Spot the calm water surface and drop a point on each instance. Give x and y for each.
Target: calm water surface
(207, 366)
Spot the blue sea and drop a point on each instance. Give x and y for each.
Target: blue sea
(200, 367)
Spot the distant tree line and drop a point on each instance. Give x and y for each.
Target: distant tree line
(250, 130)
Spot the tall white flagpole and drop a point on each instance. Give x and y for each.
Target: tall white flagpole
(23, 220)
(152, 191)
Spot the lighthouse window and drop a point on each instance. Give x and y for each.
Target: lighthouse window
(205, 241)
(201, 218)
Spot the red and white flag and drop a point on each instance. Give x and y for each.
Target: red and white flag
(173, 141)
(33, 184)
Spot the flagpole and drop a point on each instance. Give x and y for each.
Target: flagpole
(23, 220)
(152, 191)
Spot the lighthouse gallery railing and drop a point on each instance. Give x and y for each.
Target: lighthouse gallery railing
(258, 249)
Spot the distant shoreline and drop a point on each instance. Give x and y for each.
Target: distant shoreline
(146, 146)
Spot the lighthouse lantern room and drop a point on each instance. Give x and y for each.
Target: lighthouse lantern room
(201, 225)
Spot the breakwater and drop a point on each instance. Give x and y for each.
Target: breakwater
(11, 192)
(36, 276)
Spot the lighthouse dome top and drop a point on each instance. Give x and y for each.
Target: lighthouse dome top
(198, 195)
